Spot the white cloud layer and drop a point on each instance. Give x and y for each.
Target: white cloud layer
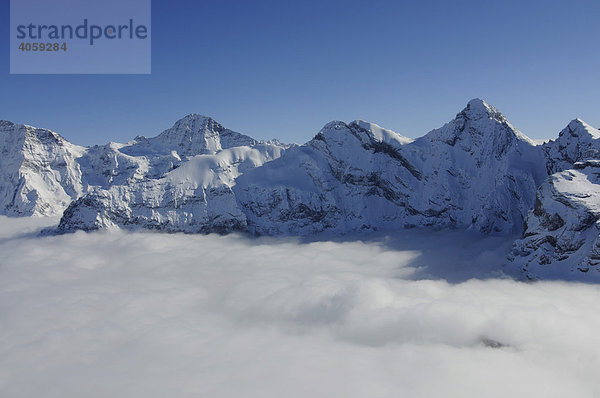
(155, 315)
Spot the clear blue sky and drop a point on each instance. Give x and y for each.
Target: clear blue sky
(285, 68)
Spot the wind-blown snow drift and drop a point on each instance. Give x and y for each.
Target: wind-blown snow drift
(154, 315)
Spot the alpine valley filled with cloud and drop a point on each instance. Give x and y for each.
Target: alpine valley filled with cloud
(203, 262)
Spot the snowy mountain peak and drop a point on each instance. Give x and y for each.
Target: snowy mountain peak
(334, 131)
(29, 135)
(479, 125)
(341, 134)
(191, 126)
(334, 125)
(578, 128)
(38, 172)
(478, 109)
(576, 142)
(192, 120)
(196, 134)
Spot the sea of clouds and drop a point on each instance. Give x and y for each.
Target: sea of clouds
(156, 315)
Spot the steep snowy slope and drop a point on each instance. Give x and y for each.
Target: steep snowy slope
(39, 173)
(561, 238)
(562, 235)
(115, 164)
(195, 197)
(487, 168)
(477, 171)
(303, 191)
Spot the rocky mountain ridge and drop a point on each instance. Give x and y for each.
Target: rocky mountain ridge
(477, 172)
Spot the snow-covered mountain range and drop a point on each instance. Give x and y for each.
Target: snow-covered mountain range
(476, 172)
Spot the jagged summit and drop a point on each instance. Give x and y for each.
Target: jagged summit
(195, 122)
(577, 142)
(29, 137)
(191, 135)
(479, 125)
(478, 108)
(334, 125)
(38, 175)
(193, 116)
(337, 132)
(578, 128)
